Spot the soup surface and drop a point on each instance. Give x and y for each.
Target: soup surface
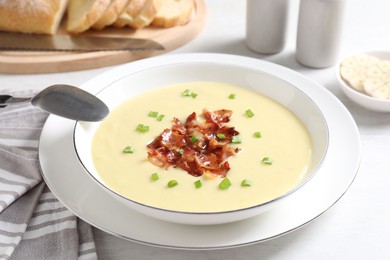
(283, 139)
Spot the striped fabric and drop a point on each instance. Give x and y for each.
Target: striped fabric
(33, 223)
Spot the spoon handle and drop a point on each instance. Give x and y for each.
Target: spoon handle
(6, 100)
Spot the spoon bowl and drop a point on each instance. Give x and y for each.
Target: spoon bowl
(66, 101)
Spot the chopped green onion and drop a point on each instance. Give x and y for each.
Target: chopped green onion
(154, 176)
(267, 160)
(257, 134)
(189, 93)
(246, 183)
(198, 184)
(225, 184)
(236, 140)
(160, 117)
(172, 183)
(221, 136)
(232, 96)
(180, 151)
(194, 138)
(249, 113)
(142, 128)
(128, 149)
(153, 114)
(186, 93)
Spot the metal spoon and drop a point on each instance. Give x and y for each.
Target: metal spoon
(65, 101)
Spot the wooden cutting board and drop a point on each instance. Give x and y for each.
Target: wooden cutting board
(50, 62)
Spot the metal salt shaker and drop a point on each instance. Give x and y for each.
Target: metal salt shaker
(266, 25)
(320, 26)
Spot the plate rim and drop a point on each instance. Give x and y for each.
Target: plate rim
(217, 58)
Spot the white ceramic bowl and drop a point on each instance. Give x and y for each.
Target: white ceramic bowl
(269, 79)
(360, 98)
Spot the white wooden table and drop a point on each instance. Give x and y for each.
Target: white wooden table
(358, 226)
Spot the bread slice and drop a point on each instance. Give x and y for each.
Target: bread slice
(173, 13)
(132, 10)
(115, 8)
(146, 15)
(82, 14)
(39, 16)
(139, 14)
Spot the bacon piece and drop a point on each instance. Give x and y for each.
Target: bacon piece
(178, 126)
(173, 147)
(157, 157)
(172, 140)
(219, 116)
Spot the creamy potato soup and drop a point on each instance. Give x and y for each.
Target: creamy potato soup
(267, 130)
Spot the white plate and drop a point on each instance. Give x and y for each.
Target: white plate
(71, 184)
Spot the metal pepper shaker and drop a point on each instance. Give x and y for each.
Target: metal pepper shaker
(320, 26)
(266, 25)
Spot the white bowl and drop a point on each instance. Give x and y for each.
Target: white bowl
(360, 98)
(269, 79)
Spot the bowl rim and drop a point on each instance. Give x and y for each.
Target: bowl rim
(204, 58)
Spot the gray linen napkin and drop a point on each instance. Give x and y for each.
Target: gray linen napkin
(33, 223)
